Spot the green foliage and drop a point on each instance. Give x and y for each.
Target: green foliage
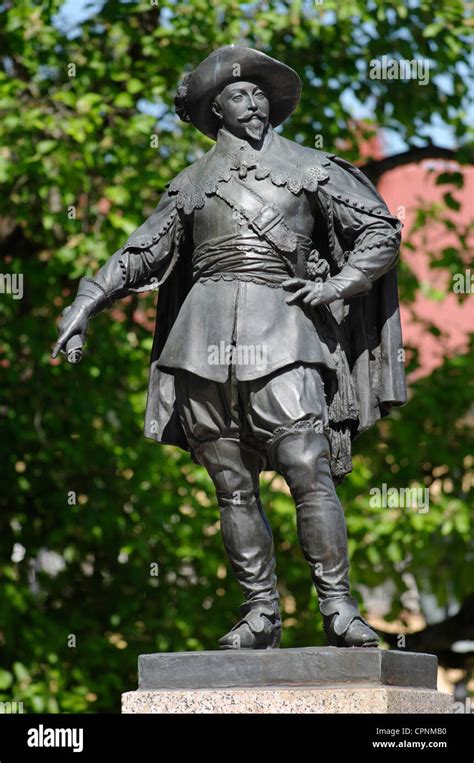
(80, 168)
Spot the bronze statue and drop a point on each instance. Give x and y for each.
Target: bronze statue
(278, 331)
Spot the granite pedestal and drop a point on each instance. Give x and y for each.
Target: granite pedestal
(307, 680)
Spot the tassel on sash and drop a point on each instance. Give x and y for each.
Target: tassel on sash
(340, 441)
(343, 406)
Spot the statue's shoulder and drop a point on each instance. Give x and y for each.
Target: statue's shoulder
(310, 161)
(196, 182)
(345, 181)
(304, 154)
(191, 174)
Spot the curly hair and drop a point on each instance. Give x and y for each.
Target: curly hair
(180, 98)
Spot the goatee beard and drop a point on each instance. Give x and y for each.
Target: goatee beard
(255, 129)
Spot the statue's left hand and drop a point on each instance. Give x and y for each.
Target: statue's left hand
(311, 293)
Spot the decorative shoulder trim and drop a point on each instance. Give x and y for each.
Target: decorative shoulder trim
(357, 202)
(281, 173)
(190, 196)
(396, 234)
(295, 178)
(144, 241)
(155, 283)
(179, 182)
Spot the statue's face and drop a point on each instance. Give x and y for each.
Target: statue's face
(244, 110)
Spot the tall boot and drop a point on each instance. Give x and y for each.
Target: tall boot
(248, 542)
(302, 457)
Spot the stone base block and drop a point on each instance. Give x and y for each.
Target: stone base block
(305, 680)
(372, 699)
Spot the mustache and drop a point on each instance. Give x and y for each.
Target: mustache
(259, 116)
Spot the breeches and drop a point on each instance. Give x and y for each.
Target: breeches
(256, 412)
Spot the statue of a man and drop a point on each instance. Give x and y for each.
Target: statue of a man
(278, 332)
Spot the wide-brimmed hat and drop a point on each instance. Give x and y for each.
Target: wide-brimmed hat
(232, 63)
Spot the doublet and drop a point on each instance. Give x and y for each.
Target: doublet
(237, 298)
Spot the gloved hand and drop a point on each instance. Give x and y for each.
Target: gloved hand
(311, 293)
(90, 300)
(75, 320)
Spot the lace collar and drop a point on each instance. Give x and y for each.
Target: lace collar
(239, 153)
(233, 157)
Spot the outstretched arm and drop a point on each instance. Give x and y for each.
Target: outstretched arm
(147, 258)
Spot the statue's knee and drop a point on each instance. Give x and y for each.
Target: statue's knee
(232, 470)
(302, 457)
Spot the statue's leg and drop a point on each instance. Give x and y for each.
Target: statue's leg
(300, 451)
(247, 539)
(213, 432)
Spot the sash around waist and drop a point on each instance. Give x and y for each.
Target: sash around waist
(241, 255)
